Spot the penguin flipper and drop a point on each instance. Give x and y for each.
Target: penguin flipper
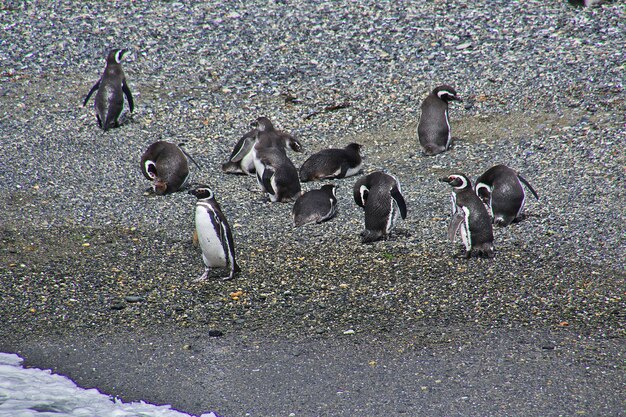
(129, 96)
(228, 244)
(94, 88)
(242, 148)
(457, 220)
(399, 199)
(360, 192)
(527, 184)
(266, 180)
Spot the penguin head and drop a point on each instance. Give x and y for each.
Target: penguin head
(458, 181)
(355, 147)
(446, 93)
(202, 192)
(262, 124)
(330, 188)
(294, 144)
(116, 55)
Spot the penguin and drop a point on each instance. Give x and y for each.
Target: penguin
(166, 165)
(433, 130)
(214, 235)
(276, 174)
(332, 163)
(315, 206)
(241, 160)
(470, 216)
(381, 197)
(111, 87)
(500, 188)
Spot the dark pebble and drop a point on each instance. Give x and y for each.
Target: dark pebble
(215, 333)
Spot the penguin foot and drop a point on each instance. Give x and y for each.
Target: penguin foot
(203, 277)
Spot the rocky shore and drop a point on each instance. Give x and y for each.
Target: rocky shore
(84, 250)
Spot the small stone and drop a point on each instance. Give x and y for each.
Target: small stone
(134, 298)
(117, 304)
(215, 333)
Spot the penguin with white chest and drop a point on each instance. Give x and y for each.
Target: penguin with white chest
(241, 160)
(381, 197)
(470, 216)
(112, 87)
(214, 235)
(276, 174)
(500, 188)
(315, 206)
(165, 164)
(433, 130)
(332, 163)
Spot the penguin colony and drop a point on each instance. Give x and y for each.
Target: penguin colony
(498, 197)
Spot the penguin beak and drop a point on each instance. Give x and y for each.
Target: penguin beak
(445, 179)
(457, 98)
(254, 124)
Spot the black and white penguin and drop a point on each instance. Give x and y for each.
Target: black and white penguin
(332, 163)
(111, 87)
(434, 131)
(380, 195)
(315, 206)
(214, 235)
(470, 216)
(241, 160)
(500, 188)
(276, 174)
(165, 164)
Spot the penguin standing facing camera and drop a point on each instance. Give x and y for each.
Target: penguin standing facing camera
(315, 206)
(381, 197)
(166, 165)
(111, 87)
(332, 163)
(214, 235)
(434, 131)
(500, 188)
(276, 174)
(470, 216)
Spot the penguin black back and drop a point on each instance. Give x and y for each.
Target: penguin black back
(166, 165)
(500, 188)
(433, 130)
(332, 163)
(315, 206)
(111, 88)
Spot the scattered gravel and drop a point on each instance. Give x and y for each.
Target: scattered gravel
(83, 247)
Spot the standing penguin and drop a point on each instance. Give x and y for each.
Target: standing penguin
(276, 174)
(500, 188)
(241, 160)
(166, 165)
(111, 87)
(433, 131)
(381, 197)
(214, 235)
(332, 163)
(470, 215)
(315, 206)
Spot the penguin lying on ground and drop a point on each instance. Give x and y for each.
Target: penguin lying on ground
(332, 163)
(214, 235)
(315, 206)
(166, 165)
(111, 87)
(470, 216)
(381, 197)
(276, 174)
(434, 131)
(241, 160)
(500, 188)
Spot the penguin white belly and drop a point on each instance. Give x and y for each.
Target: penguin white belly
(394, 215)
(466, 235)
(353, 171)
(449, 132)
(247, 163)
(212, 250)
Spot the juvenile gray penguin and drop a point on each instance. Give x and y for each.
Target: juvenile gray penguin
(470, 216)
(166, 165)
(381, 197)
(276, 174)
(500, 188)
(111, 87)
(315, 206)
(332, 163)
(241, 160)
(214, 235)
(434, 131)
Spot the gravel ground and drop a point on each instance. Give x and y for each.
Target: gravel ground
(84, 249)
